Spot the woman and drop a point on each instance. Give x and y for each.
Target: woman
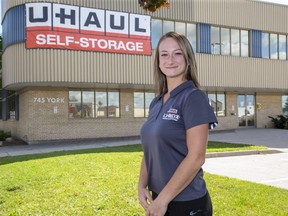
(175, 135)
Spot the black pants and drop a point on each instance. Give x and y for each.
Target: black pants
(201, 206)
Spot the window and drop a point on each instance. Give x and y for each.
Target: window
(244, 43)
(282, 47)
(225, 41)
(235, 42)
(88, 104)
(191, 35)
(212, 98)
(221, 106)
(113, 104)
(156, 32)
(187, 29)
(228, 41)
(180, 28)
(285, 105)
(149, 96)
(142, 102)
(93, 104)
(265, 45)
(215, 40)
(139, 104)
(101, 104)
(168, 26)
(217, 101)
(273, 46)
(75, 108)
(11, 101)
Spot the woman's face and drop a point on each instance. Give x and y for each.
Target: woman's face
(171, 59)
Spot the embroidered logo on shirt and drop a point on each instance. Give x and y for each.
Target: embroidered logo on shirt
(171, 115)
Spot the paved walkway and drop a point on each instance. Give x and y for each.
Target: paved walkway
(269, 167)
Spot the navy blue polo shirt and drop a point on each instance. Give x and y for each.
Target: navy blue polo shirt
(163, 136)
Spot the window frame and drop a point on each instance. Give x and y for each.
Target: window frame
(95, 111)
(145, 103)
(216, 103)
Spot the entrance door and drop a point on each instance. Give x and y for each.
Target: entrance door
(246, 110)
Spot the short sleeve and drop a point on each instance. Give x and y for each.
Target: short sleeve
(198, 110)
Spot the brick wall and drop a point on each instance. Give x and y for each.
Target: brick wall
(42, 118)
(271, 105)
(230, 121)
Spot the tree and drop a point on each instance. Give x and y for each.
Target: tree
(0, 76)
(153, 5)
(0, 52)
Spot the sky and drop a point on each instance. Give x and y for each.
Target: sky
(283, 2)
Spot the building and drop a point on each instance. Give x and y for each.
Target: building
(62, 80)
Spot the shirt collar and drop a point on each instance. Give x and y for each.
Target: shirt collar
(179, 88)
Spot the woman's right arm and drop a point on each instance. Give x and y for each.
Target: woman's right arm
(143, 193)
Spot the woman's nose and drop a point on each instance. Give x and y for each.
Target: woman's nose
(170, 58)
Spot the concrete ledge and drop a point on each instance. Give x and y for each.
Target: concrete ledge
(84, 140)
(242, 153)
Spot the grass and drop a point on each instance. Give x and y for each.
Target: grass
(225, 147)
(104, 182)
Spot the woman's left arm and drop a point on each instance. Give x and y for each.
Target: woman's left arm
(197, 139)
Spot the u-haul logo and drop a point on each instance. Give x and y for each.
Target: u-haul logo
(51, 25)
(171, 115)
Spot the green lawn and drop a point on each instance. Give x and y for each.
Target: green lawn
(104, 182)
(225, 147)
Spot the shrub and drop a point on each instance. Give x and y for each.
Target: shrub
(280, 121)
(4, 135)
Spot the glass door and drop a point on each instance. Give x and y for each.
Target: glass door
(246, 110)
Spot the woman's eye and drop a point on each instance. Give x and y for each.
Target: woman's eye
(164, 54)
(178, 53)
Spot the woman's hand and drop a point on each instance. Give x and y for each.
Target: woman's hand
(156, 208)
(144, 197)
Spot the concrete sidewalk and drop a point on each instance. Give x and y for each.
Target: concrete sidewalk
(258, 166)
(272, 138)
(269, 169)
(47, 147)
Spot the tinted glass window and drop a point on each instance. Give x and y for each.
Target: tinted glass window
(244, 43)
(225, 41)
(88, 104)
(113, 104)
(75, 107)
(101, 104)
(180, 27)
(139, 104)
(273, 46)
(282, 47)
(215, 40)
(265, 45)
(191, 35)
(235, 42)
(168, 26)
(156, 32)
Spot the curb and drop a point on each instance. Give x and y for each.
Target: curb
(242, 153)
